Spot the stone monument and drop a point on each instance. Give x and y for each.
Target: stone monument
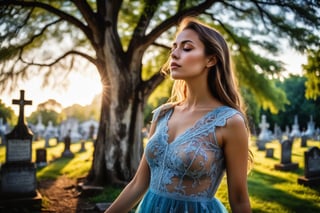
(295, 132)
(311, 168)
(2, 131)
(264, 136)
(311, 128)
(39, 128)
(67, 142)
(286, 151)
(18, 174)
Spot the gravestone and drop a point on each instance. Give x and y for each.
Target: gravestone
(70, 127)
(264, 135)
(311, 168)
(67, 142)
(285, 162)
(295, 132)
(83, 146)
(304, 139)
(18, 174)
(41, 157)
(2, 131)
(287, 132)
(50, 132)
(88, 129)
(311, 128)
(277, 132)
(269, 152)
(39, 128)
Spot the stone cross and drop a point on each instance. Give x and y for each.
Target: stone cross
(21, 102)
(264, 125)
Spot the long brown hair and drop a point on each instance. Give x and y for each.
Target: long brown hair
(221, 80)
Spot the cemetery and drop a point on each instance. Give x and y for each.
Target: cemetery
(70, 157)
(47, 174)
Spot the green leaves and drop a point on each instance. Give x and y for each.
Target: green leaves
(312, 73)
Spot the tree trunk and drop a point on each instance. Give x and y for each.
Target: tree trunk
(118, 147)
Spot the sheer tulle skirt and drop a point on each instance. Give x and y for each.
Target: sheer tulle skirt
(158, 203)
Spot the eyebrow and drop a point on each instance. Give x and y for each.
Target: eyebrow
(183, 42)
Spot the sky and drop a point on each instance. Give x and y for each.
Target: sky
(84, 88)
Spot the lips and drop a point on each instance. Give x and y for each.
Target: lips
(174, 65)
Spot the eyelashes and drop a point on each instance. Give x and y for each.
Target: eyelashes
(183, 49)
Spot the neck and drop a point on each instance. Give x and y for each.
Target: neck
(199, 97)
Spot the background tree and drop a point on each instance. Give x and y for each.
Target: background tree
(294, 87)
(312, 72)
(7, 114)
(117, 36)
(49, 111)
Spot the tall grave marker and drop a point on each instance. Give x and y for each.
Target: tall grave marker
(311, 168)
(286, 151)
(18, 174)
(264, 136)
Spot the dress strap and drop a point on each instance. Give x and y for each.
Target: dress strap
(223, 114)
(161, 111)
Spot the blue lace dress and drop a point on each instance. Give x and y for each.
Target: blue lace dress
(185, 173)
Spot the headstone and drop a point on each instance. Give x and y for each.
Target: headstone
(286, 151)
(277, 132)
(46, 140)
(50, 132)
(287, 132)
(304, 139)
(269, 152)
(83, 146)
(88, 129)
(311, 128)
(39, 128)
(18, 174)
(311, 168)
(41, 157)
(264, 136)
(67, 142)
(70, 127)
(2, 131)
(295, 132)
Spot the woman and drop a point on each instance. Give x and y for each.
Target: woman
(193, 139)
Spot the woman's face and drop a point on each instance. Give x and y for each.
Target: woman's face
(188, 60)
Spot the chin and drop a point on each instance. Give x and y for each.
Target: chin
(174, 75)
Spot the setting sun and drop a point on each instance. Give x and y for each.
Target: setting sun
(81, 90)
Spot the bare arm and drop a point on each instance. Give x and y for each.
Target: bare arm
(134, 191)
(235, 142)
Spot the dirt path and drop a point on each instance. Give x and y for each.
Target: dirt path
(62, 196)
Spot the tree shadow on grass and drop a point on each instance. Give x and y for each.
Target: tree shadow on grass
(261, 187)
(52, 170)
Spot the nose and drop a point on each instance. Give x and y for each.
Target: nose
(174, 53)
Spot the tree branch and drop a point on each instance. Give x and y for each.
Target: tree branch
(89, 58)
(173, 20)
(52, 10)
(157, 31)
(149, 85)
(140, 29)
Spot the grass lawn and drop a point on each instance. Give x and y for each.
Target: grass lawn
(270, 190)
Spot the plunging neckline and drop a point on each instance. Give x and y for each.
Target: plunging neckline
(201, 119)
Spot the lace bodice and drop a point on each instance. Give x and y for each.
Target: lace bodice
(193, 164)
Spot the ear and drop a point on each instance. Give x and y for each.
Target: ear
(212, 60)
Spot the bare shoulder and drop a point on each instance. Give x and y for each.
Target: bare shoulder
(236, 121)
(235, 129)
